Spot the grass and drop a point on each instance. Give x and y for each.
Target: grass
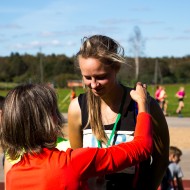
(172, 100)
(64, 98)
(7, 86)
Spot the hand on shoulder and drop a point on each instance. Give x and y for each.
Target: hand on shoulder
(141, 96)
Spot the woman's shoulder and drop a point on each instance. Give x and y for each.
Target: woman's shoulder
(82, 99)
(127, 88)
(82, 95)
(129, 102)
(74, 108)
(127, 91)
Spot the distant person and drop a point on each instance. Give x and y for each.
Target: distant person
(30, 125)
(180, 95)
(173, 177)
(163, 100)
(73, 94)
(157, 93)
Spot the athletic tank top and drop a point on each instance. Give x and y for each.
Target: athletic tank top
(127, 178)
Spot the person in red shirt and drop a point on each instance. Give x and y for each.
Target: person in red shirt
(30, 125)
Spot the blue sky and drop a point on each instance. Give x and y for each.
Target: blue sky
(57, 26)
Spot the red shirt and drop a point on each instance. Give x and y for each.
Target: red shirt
(59, 170)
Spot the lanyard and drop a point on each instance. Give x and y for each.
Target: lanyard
(116, 121)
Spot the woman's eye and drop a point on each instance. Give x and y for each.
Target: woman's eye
(101, 78)
(87, 78)
(96, 78)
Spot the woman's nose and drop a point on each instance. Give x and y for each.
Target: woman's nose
(94, 84)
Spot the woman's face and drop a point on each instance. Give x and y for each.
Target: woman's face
(99, 78)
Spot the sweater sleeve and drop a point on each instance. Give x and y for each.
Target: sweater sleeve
(89, 162)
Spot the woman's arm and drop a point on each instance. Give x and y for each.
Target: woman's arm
(89, 162)
(74, 124)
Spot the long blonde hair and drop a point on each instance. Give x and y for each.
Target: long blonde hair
(111, 54)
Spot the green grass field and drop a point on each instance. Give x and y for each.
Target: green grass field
(64, 98)
(172, 100)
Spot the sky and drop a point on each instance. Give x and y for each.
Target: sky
(58, 26)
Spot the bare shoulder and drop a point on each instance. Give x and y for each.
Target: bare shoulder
(74, 112)
(74, 124)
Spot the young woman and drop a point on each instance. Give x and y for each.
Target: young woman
(180, 94)
(29, 128)
(106, 115)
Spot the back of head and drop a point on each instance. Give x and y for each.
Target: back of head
(30, 119)
(173, 150)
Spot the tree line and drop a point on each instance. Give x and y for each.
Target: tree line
(58, 69)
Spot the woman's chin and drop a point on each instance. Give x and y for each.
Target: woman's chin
(98, 92)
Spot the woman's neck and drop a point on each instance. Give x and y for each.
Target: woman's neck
(113, 99)
(111, 105)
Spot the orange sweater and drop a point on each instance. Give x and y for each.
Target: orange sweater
(59, 170)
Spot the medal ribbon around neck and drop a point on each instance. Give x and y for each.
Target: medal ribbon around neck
(116, 121)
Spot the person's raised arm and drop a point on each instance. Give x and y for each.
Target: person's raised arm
(140, 95)
(99, 161)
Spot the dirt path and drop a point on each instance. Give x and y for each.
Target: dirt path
(180, 137)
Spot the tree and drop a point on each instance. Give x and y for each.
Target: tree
(16, 65)
(137, 45)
